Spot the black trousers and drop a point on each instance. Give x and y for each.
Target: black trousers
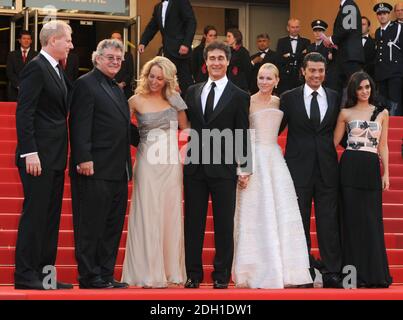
(343, 73)
(99, 208)
(391, 89)
(184, 72)
(327, 221)
(197, 189)
(38, 229)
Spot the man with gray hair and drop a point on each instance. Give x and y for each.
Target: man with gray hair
(41, 157)
(100, 166)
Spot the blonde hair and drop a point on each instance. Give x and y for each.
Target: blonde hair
(169, 72)
(57, 28)
(270, 66)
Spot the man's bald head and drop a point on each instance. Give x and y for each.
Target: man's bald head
(399, 11)
(294, 27)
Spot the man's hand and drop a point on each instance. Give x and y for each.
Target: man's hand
(122, 85)
(287, 55)
(183, 50)
(86, 168)
(33, 165)
(141, 48)
(243, 181)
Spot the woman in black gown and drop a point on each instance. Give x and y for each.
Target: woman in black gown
(362, 183)
(199, 68)
(240, 67)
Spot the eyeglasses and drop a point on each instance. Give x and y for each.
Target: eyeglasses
(112, 58)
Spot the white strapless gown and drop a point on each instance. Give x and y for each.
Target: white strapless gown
(270, 246)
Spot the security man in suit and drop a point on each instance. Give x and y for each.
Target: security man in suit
(369, 47)
(389, 58)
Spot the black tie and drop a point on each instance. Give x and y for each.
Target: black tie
(209, 103)
(62, 78)
(293, 39)
(315, 112)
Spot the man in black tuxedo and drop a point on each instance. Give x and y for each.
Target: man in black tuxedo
(291, 51)
(369, 47)
(311, 111)
(216, 109)
(125, 76)
(347, 38)
(41, 157)
(177, 23)
(265, 55)
(100, 166)
(16, 61)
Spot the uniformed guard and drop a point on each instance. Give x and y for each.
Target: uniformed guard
(389, 58)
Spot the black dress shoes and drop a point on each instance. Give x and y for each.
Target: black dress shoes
(220, 285)
(29, 285)
(304, 286)
(96, 284)
(332, 280)
(119, 285)
(63, 286)
(192, 284)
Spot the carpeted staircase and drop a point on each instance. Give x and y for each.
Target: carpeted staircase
(11, 196)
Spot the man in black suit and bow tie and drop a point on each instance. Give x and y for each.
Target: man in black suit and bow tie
(369, 47)
(347, 38)
(100, 166)
(218, 158)
(176, 22)
(310, 112)
(291, 51)
(16, 61)
(265, 55)
(41, 157)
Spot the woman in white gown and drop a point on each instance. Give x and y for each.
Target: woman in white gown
(270, 246)
(155, 241)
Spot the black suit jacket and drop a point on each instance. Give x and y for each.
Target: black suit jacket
(100, 127)
(41, 115)
(180, 27)
(13, 69)
(306, 146)
(294, 61)
(270, 57)
(230, 114)
(348, 40)
(126, 74)
(370, 56)
(199, 68)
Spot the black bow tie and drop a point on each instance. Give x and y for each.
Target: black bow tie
(293, 39)
(365, 37)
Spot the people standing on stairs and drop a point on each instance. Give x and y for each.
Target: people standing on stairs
(100, 166)
(216, 109)
(389, 59)
(369, 47)
(265, 55)
(240, 67)
(155, 253)
(291, 51)
(310, 113)
(270, 245)
(125, 76)
(16, 61)
(362, 183)
(199, 68)
(347, 40)
(176, 22)
(41, 156)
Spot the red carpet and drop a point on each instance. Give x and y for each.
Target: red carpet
(11, 202)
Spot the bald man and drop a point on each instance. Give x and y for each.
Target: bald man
(399, 12)
(291, 51)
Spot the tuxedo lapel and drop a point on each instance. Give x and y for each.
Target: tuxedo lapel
(198, 102)
(54, 75)
(117, 102)
(329, 112)
(222, 103)
(159, 11)
(168, 10)
(300, 103)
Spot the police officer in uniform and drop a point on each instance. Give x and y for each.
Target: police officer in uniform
(389, 58)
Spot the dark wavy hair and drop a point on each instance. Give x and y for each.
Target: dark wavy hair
(353, 85)
(206, 30)
(237, 35)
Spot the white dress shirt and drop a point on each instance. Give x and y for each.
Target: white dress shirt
(322, 100)
(218, 90)
(342, 2)
(294, 44)
(164, 11)
(26, 51)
